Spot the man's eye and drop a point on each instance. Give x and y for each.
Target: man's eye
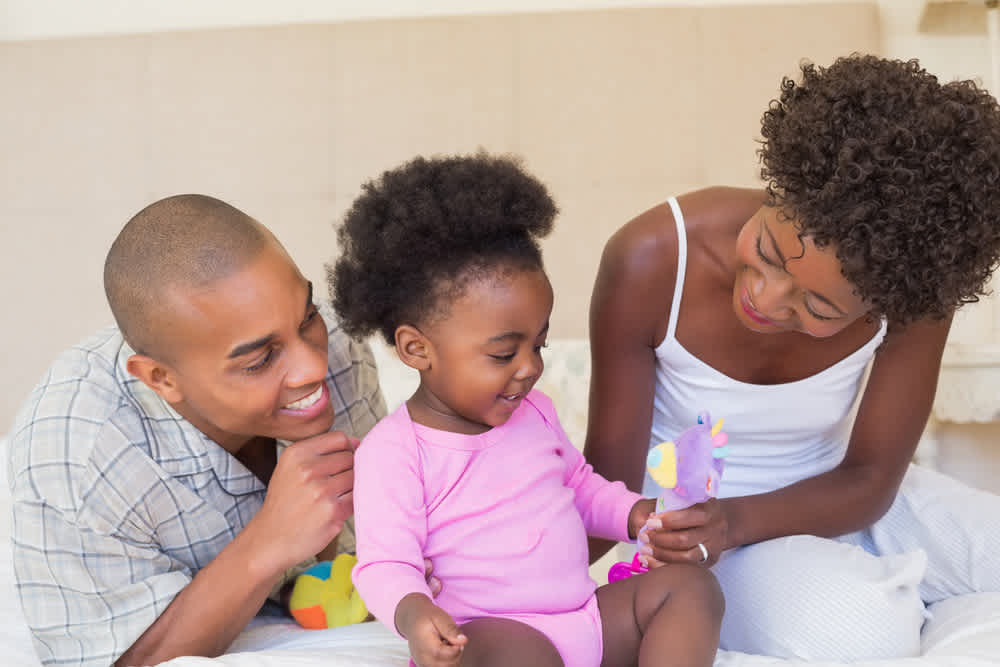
(310, 316)
(260, 365)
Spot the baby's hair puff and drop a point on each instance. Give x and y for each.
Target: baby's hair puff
(419, 233)
(898, 172)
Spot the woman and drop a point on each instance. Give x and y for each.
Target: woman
(880, 217)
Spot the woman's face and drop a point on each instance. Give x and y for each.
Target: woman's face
(786, 283)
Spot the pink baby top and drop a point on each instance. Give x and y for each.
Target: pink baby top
(503, 515)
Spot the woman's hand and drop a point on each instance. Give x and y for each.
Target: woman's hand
(674, 537)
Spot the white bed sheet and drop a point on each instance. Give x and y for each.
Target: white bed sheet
(961, 632)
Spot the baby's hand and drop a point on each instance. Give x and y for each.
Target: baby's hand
(433, 635)
(638, 516)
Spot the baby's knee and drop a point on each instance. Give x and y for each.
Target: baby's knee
(693, 587)
(808, 598)
(706, 591)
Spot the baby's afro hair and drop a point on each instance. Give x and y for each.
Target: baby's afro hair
(899, 173)
(417, 235)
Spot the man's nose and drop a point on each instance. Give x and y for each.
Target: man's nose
(307, 364)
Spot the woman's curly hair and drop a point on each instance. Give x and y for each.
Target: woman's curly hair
(417, 235)
(899, 173)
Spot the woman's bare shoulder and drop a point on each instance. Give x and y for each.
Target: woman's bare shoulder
(720, 207)
(645, 248)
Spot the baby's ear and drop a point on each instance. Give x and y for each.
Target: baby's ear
(413, 347)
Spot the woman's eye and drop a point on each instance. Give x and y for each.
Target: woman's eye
(763, 257)
(503, 357)
(818, 316)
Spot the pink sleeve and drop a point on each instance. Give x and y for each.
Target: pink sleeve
(390, 519)
(604, 505)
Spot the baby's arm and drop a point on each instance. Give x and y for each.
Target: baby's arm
(609, 510)
(432, 634)
(390, 522)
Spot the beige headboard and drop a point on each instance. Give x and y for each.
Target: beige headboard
(614, 109)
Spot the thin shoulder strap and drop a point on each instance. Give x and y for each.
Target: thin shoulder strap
(675, 307)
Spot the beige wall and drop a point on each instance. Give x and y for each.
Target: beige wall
(613, 109)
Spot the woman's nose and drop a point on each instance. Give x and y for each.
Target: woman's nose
(769, 297)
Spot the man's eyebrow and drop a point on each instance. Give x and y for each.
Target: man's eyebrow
(247, 348)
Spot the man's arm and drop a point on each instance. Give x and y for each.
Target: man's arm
(308, 500)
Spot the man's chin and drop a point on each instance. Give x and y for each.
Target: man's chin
(315, 427)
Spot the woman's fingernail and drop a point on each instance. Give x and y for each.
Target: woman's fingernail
(654, 524)
(643, 537)
(643, 561)
(646, 550)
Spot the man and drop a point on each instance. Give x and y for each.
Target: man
(152, 514)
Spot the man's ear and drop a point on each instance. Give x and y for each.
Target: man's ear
(157, 376)
(413, 347)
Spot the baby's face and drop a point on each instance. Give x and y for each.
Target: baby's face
(485, 353)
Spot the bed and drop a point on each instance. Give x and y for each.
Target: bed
(960, 632)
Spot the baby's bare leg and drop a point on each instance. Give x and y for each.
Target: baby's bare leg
(501, 642)
(668, 616)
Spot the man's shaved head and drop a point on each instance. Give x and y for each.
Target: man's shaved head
(184, 241)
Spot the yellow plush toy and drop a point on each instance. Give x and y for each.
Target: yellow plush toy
(324, 597)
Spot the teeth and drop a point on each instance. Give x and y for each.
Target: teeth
(306, 402)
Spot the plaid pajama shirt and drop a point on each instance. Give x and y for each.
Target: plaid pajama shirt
(118, 501)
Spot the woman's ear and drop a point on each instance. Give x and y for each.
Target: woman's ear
(155, 375)
(413, 347)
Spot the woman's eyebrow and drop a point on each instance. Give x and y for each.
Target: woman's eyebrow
(774, 244)
(784, 261)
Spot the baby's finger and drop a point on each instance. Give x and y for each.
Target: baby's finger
(449, 631)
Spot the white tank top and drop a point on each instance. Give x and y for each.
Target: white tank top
(779, 433)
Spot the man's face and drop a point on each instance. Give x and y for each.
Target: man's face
(249, 354)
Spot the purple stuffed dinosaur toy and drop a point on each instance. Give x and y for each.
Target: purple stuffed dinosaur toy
(688, 469)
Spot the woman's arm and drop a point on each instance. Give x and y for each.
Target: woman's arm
(628, 316)
(855, 494)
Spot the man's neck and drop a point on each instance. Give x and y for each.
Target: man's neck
(260, 455)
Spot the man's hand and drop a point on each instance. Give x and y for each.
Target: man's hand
(309, 498)
(433, 635)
